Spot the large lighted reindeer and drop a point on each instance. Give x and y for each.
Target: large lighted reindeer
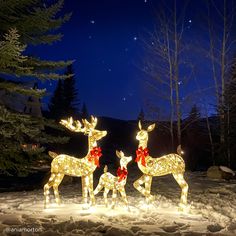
(167, 164)
(115, 183)
(81, 167)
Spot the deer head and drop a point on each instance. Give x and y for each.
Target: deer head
(88, 129)
(123, 159)
(142, 134)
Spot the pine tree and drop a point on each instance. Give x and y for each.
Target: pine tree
(71, 102)
(141, 115)
(64, 101)
(84, 112)
(194, 114)
(230, 120)
(56, 106)
(22, 23)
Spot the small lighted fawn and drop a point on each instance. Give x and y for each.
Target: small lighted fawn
(81, 167)
(111, 182)
(167, 164)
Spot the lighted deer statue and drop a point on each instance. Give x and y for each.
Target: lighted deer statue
(115, 183)
(81, 167)
(167, 164)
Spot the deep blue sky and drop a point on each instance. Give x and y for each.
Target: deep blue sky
(104, 37)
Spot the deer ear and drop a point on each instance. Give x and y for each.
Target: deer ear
(118, 154)
(150, 128)
(139, 125)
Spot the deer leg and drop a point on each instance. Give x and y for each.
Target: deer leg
(84, 189)
(90, 187)
(46, 188)
(148, 183)
(106, 191)
(114, 196)
(184, 190)
(137, 184)
(59, 177)
(124, 197)
(98, 188)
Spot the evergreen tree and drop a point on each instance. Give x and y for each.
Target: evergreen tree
(22, 23)
(194, 114)
(141, 115)
(230, 119)
(193, 132)
(84, 112)
(56, 106)
(71, 102)
(64, 101)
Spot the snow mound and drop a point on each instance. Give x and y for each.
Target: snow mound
(227, 170)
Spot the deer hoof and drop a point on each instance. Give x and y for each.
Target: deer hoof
(150, 199)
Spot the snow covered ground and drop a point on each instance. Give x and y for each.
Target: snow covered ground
(212, 211)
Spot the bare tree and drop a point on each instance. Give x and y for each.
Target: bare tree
(164, 49)
(221, 42)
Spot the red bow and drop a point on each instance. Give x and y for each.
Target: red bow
(121, 173)
(94, 155)
(142, 154)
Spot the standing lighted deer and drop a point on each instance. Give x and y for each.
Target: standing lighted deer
(81, 167)
(167, 164)
(115, 183)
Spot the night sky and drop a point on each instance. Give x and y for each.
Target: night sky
(104, 37)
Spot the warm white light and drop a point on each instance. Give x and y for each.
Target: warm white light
(115, 183)
(81, 167)
(168, 164)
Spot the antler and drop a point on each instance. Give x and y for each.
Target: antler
(91, 125)
(69, 124)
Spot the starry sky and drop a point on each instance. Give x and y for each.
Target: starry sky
(104, 38)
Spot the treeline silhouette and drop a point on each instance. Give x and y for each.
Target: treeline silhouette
(121, 136)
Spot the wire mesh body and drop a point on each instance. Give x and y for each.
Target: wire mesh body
(116, 184)
(167, 164)
(81, 167)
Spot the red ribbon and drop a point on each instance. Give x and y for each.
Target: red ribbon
(141, 154)
(94, 155)
(121, 173)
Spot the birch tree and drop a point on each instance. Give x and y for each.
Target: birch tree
(164, 48)
(221, 17)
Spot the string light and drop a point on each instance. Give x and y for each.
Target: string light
(167, 164)
(81, 167)
(115, 183)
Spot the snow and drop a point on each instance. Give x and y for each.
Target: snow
(212, 210)
(226, 169)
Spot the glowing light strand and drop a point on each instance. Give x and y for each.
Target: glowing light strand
(81, 167)
(167, 164)
(115, 183)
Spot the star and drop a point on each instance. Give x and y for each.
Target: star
(124, 99)
(109, 69)
(92, 21)
(190, 21)
(180, 82)
(145, 1)
(135, 38)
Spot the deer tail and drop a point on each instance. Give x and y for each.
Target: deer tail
(105, 169)
(52, 154)
(179, 150)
